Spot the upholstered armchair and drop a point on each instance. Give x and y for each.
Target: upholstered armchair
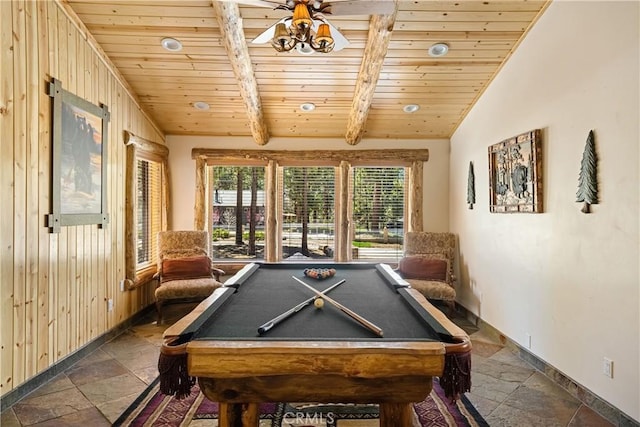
(184, 268)
(428, 265)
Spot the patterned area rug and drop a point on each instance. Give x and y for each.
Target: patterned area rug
(153, 408)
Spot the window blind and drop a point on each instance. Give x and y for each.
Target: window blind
(378, 212)
(308, 212)
(149, 211)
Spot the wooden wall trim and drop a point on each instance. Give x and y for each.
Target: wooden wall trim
(145, 146)
(343, 253)
(271, 248)
(394, 157)
(199, 213)
(415, 197)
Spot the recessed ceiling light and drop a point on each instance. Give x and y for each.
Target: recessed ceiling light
(411, 108)
(172, 45)
(200, 105)
(308, 106)
(439, 49)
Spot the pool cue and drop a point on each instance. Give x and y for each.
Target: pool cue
(355, 316)
(273, 322)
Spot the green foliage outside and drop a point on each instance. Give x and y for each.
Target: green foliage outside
(226, 178)
(219, 233)
(259, 235)
(316, 185)
(378, 197)
(362, 244)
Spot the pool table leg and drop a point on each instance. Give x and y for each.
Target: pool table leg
(396, 414)
(238, 415)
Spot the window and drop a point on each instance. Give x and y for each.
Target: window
(378, 213)
(237, 212)
(308, 212)
(146, 207)
(149, 212)
(323, 204)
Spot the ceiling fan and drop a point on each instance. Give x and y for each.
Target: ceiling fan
(307, 29)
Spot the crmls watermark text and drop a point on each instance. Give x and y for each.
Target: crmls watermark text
(306, 418)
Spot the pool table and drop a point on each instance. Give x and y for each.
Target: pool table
(318, 354)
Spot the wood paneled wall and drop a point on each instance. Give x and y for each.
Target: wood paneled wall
(54, 288)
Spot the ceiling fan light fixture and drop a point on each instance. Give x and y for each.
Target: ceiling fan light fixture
(307, 107)
(438, 49)
(282, 34)
(411, 108)
(304, 49)
(171, 44)
(323, 35)
(301, 16)
(306, 30)
(201, 105)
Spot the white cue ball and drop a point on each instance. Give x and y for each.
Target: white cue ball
(319, 302)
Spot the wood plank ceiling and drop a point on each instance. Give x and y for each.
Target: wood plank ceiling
(359, 92)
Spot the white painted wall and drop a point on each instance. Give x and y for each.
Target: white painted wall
(570, 280)
(436, 170)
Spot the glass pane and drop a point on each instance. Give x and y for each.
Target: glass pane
(378, 213)
(308, 223)
(142, 223)
(149, 211)
(237, 212)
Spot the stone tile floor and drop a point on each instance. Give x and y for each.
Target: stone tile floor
(506, 390)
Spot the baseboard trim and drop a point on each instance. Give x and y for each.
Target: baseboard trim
(584, 395)
(62, 365)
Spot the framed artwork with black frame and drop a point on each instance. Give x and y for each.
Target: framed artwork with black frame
(515, 174)
(79, 156)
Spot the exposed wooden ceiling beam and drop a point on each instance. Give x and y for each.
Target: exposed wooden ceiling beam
(380, 29)
(230, 23)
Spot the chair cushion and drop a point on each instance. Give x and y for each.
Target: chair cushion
(192, 288)
(185, 268)
(433, 289)
(423, 267)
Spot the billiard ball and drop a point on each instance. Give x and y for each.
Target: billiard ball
(318, 302)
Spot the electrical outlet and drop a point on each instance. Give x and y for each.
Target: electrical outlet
(122, 285)
(607, 367)
(110, 304)
(528, 340)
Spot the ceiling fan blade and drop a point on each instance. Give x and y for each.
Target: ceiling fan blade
(359, 7)
(340, 41)
(267, 35)
(258, 3)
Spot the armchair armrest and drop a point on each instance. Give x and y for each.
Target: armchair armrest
(217, 273)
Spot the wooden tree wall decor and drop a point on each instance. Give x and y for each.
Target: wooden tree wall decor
(515, 174)
(588, 179)
(471, 187)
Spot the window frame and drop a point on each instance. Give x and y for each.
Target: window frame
(142, 149)
(343, 160)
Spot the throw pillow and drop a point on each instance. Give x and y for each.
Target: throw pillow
(185, 268)
(425, 268)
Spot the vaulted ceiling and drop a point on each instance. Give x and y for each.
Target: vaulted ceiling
(359, 92)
